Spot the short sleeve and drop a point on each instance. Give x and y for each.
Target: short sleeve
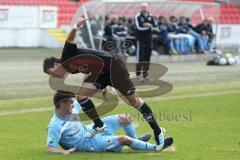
(76, 107)
(54, 135)
(69, 50)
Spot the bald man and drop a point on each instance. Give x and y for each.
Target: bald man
(144, 23)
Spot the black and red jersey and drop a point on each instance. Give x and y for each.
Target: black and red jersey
(76, 60)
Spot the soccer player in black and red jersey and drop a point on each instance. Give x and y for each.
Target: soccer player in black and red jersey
(104, 70)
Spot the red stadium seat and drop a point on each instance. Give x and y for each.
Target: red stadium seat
(229, 14)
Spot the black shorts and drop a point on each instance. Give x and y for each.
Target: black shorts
(117, 77)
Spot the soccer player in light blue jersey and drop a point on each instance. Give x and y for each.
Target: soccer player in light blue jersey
(66, 130)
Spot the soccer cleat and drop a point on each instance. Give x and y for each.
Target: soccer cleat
(145, 137)
(147, 80)
(95, 131)
(160, 138)
(140, 79)
(167, 143)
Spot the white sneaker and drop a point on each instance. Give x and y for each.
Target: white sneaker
(147, 80)
(95, 131)
(140, 79)
(167, 143)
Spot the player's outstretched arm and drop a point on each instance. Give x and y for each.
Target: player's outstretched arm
(79, 24)
(104, 93)
(60, 151)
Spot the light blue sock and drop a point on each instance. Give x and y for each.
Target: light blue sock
(130, 130)
(140, 145)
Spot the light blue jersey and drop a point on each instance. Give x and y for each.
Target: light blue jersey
(69, 132)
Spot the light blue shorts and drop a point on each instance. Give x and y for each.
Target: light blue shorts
(106, 141)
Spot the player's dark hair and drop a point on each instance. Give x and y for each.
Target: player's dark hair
(61, 96)
(49, 63)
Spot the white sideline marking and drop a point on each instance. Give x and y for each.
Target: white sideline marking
(194, 95)
(6, 113)
(25, 111)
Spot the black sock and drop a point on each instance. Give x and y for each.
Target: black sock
(138, 69)
(149, 117)
(89, 108)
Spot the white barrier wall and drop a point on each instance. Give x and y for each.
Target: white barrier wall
(18, 17)
(47, 17)
(228, 35)
(24, 26)
(34, 37)
(28, 17)
(19, 37)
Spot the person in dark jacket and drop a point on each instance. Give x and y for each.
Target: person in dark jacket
(163, 33)
(184, 31)
(144, 22)
(119, 34)
(108, 28)
(202, 29)
(175, 39)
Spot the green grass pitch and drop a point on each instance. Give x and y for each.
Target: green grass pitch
(202, 112)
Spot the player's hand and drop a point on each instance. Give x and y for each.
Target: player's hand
(69, 151)
(80, 22)
(104, 93)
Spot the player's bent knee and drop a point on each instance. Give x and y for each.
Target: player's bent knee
(133, 102)
(136, 103)
(124, 119)
(124, 140)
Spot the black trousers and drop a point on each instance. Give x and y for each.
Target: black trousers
(144, 49)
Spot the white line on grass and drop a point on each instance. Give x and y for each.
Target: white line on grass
(25, 111)
(6, 113)
(195, 95)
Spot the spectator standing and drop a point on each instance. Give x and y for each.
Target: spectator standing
(144, 22)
